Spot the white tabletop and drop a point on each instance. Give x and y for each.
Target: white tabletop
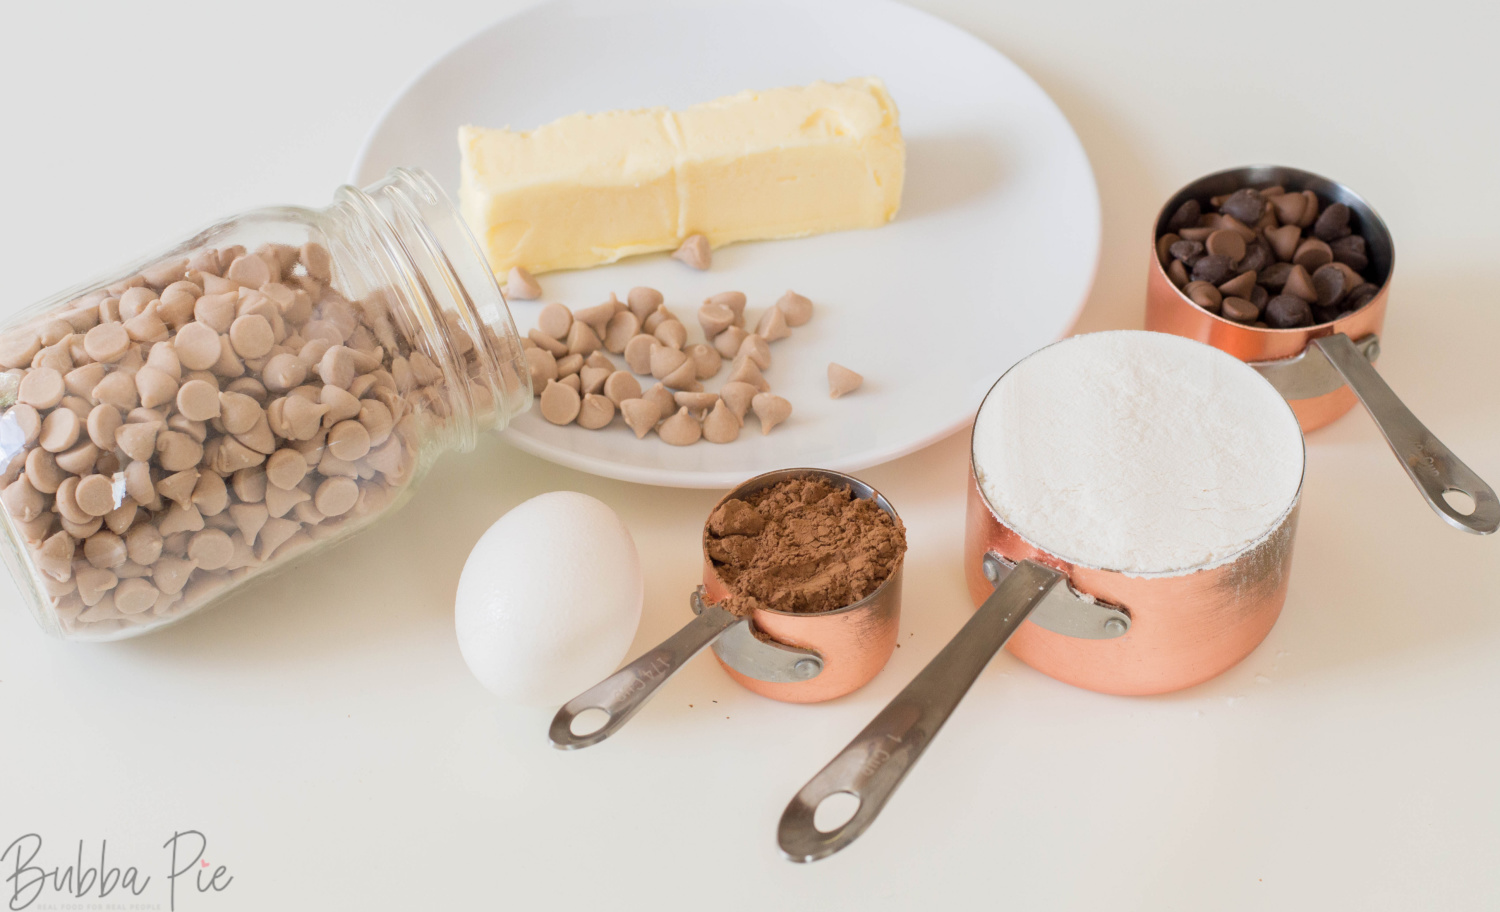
(325, 736)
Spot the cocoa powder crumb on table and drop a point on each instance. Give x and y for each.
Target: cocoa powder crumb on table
(803, 545)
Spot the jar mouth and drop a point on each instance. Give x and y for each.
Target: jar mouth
(440, 266)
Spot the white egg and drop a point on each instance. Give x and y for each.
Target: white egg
(549, 599)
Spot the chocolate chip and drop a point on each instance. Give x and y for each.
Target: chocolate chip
(1187, 251)
(1327, 314)
(1238, 287)
(1258, 296)
(1257, 257)
(1287, 312)
(1328, 282)
(1332, 223)
(1240, 310)
(1163, 249)
(1274, 275)
(1177, 273)
(1350, 251)
(1204, 295)
(1312, 253)
(1359, 297)
(1186, 216)
(1227, 244)
(1247, 205)
(1212, 269)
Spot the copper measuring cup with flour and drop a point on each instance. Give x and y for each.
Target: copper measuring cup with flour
(797, 658)
(1099, 629)
(1323, 370)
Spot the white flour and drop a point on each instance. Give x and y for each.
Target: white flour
(1135, 451)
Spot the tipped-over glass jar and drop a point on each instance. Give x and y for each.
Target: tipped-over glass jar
(271, 385)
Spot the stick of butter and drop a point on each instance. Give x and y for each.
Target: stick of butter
(592, 188)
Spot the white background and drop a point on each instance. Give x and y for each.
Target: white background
(324, 733)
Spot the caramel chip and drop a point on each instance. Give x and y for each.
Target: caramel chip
(797, 309)
(520, 286)
(841, 380)
(696, 252)
(771, 410)
(721, 426)
(595, 412)
(682, 429)
(560, 404)
(641, 415)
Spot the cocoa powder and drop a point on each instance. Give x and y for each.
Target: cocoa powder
(803, 545)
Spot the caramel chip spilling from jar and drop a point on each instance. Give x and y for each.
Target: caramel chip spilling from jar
(621, 328)
(520, 285)
(721, 425)
(560, 404)
(595, 412)
(696, 252)
(682, 429)
(555, 320)
(620, 386)
(772, 326)
(797, 309)
(737, 395)
(715, 318)
(641, 415)
(842, 380)
(771, 410)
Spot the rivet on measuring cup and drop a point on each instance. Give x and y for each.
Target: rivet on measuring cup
(991, 567)
(1114, 627)
(807, 668)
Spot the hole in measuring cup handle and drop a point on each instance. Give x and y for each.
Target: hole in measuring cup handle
(1065, 610)
(835, 811)
(1461, 501)
(589, 721)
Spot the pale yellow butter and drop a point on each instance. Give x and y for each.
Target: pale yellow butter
(592, 188)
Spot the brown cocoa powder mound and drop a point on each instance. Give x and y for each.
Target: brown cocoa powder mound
(803, 545)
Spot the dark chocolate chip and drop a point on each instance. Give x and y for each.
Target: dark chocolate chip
(1287, 312)
(1259, 296)
(1212, 269)
(1246, 205)
(1187, 251)
(1257, 257)
(1351, 252)
(1361, 296)
(1328, 282)
(1332, 223)
(1274, 275)
(1240, 310)
(1186, 216)
(1326, 314)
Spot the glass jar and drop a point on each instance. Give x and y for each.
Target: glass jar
(236, 403)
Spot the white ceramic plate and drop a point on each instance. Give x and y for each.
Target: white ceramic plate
(990, 258)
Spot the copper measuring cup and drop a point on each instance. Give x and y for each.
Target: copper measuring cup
(1323, 370)
(801, 658)
(1099, 629)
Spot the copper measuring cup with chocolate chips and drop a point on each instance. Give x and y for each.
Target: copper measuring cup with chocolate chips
(1291, 272)
(803, 652)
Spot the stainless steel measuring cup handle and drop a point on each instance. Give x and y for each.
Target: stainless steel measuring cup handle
(1432, 466)
(623, 693)
(881, 755)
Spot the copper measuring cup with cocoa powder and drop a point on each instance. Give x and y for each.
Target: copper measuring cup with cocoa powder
(1099, 629)
(792, 657)
(1322, 370)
